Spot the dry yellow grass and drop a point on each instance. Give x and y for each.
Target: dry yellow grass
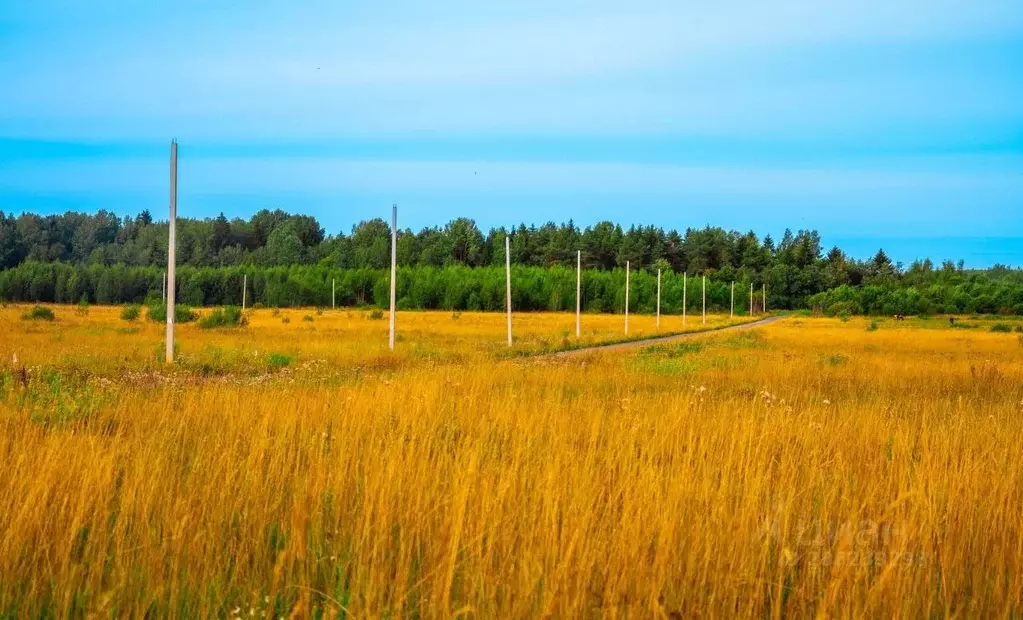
(808, 467)
(101, 342)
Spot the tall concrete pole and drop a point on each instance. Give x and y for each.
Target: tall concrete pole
(394, 270)
(578, 292)
(172, 249)
(507, 280)
(658, 299)
(704, 299)
(626, 298)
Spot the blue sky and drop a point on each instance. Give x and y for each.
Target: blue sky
(878, 122)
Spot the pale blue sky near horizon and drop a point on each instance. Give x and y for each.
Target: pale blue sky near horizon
(879, 123)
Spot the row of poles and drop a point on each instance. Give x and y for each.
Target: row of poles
(170, 277)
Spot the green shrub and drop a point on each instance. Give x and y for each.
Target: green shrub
(228, 316)
(276, 312)
(38, 313)
(840, 308)
(83, 306)
(836, 359)
(376, 315)
(1019, 329)
(308, 318)
(872, 327)
(278, 361)
(258, 306)
(157, 312)
(1001, 328)
(131, 312)
(285, 320)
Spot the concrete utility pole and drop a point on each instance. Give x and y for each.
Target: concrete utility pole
(704, 300)
(685, 277)
(507, 280)
(578, 292)
(658, 299)
(171, 249)
(394, 269)
(626, 298)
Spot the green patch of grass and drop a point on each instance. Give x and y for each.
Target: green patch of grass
(836, 359)
(59, 398)
(746, 340)
(1001, 328)
(664, 365)
(376, 314)
(675, 350)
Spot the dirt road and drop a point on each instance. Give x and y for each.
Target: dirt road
(636, 344)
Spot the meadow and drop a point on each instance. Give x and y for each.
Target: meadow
(864, 467)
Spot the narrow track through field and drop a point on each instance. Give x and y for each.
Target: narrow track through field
(636, 344)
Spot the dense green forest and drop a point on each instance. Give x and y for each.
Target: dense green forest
(289, 260)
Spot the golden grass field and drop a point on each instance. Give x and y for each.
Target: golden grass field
(807, 467)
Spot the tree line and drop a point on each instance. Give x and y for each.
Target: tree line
(290, 260)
